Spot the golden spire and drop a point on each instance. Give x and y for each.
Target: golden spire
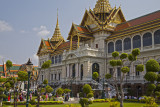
(102, 6)
(57, 33)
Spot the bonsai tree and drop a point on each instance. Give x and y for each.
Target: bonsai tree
(152, 66)
(118, 61)
(66, 90)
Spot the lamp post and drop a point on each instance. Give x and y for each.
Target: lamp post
(29, 67)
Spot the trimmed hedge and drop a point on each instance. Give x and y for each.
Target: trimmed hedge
(41, 102)
(99, 101)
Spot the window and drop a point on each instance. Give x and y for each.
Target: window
(136, 41)
(118, 72)
(55, 77)
(147, 39)
(137, 72)
(60, 58)
(127, 44)
(96, 45)
(119, 45)
(56, 59)
(52, 77)
(59, 76)
(157, 37)
(52, 59)
(73, 71)
(110, 47)
(111, 71)
(42, 78)
(81, 71)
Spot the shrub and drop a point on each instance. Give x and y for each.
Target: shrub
(136, 52)
(44, 97)
(113, 63)
(95, 75)
(90, 95)
(90, 102)
(152, 65)
(125, 69)
(132, 58)
(150, 76)
(99, 100)
(59, 91)
(123, 56)
(151, 87)
(119, 63)
(140, 67)
(115, 54)
(87, 89)
(83, 102)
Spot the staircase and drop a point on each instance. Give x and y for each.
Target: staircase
(111, 92)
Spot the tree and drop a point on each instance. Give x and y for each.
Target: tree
(4, 85)
(118, 61)
(9, 64)
(66, 90)
(152, 66)
(87, 89)
(95, 75)
(45, 65)
(59, 91)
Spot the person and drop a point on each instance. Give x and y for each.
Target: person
(9, 97)
(30, 96)
(46, 97)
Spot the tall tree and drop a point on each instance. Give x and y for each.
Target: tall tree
(44, 66)
(9, 65)
(118, 61)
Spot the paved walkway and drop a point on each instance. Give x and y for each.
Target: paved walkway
(76, 100)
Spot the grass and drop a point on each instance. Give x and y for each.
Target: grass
(93, 105)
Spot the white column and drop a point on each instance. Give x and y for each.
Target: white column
(122, 45)
(141, 42)
(152, 40)
(131, 43)
(67, 70)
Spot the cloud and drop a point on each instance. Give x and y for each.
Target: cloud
(5, 27)
(23, 31)
(41, 31)
(35, 59)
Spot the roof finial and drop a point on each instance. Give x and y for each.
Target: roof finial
(57, 16)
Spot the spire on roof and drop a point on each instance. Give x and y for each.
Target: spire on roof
(57, 33)
(102, 6)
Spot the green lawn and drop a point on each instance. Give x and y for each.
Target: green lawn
(95, 105)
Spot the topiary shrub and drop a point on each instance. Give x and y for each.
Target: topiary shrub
(119, 63)
(132, 58)
(136, 52)
(151, 87)
(90, 95)
(125, 69)
(113, 62)
(140, 67)
(123, 56)
(83, 102)
(151, 76)
(152, 65)
(115, 54)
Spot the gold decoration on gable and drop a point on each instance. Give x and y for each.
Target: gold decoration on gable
(117, 19)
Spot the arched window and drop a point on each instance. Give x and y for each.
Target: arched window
(136, 41)
(56, 59)
(147, 39)
(73, 71)
(110, 47)
(52, 59)
(127, 44)
(95, 68)
(119, 45)
(157, 37)
(60, 58)
(81, 71)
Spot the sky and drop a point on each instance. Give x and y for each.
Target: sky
(24, 22)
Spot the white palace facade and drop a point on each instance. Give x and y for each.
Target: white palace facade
(90, 44)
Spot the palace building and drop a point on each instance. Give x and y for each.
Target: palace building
(90, 44)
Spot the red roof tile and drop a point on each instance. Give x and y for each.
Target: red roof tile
(140, 20)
